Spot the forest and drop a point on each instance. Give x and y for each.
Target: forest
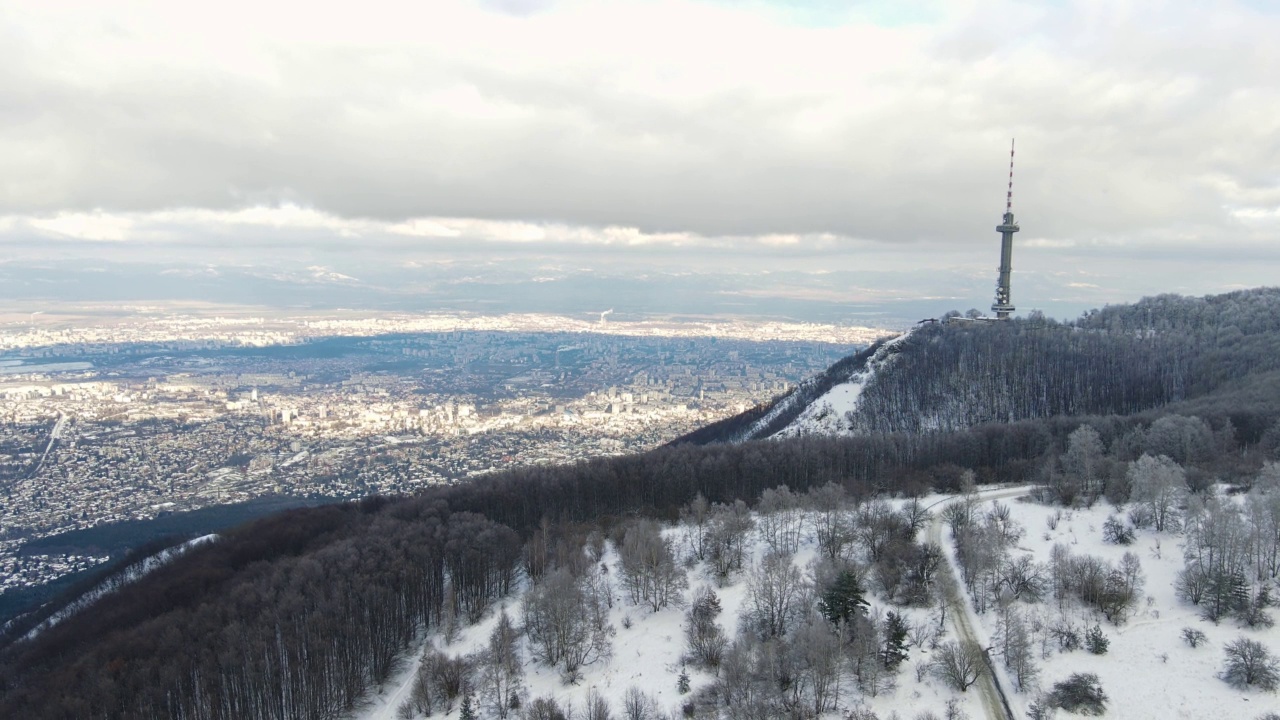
(1120, 360)
(299, 614)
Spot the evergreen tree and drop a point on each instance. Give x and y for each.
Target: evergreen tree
(895, 641)
(1096, 641)
(844, 600)
(466, 712)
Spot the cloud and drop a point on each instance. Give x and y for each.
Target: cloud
(665, 129)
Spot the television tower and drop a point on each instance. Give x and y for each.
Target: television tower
(1004, 300)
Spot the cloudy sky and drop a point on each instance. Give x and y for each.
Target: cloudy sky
(767, 139)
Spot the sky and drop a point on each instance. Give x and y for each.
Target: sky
(843, 153)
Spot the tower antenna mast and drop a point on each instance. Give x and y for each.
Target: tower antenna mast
(1008, 198)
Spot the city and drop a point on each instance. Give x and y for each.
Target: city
(138, 419)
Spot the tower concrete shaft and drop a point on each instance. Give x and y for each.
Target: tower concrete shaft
(1003, 305)
(1004, 299)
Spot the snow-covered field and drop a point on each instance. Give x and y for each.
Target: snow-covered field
(1148, 671)
(647, 655)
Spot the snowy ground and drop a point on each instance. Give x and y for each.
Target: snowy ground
(1148, 671)
(647, 656)
(826, 415)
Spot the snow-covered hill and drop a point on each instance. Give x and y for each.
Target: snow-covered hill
(818, 404)
(826, 415)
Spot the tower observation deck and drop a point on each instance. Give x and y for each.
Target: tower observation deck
(1003, 305)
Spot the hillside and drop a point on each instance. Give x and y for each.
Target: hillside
(649, 648)
(1121, 360)
(306, 613)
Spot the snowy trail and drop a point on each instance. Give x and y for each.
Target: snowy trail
(386, 703)
(962, 618)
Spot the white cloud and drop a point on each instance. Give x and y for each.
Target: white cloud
(82, 226)
(654, 126)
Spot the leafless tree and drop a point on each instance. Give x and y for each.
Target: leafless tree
(638, 705)
(562, 621)
(780, 519)
(650, 573)
(1016, 647)
(696, 518)
(1250, 664)
(816, 665)
(502, 669)
(1158, 484)
(1082, 463)
(596, 707)
(774, 590)
(706, 642)
(959, 664)
(832, 524)
(727, 537)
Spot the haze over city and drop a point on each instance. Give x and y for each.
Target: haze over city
(829, 161)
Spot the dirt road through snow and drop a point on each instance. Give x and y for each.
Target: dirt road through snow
(962, 618)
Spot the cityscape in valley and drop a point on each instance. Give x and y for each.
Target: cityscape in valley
(153, 413)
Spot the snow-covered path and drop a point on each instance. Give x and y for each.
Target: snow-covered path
(387, 700)
(962, 618)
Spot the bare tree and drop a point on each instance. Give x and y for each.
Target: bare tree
(596, 707)
(815, 662)
(1082, 463)
(562, 621)
(959, 664)
(773, 594)
(649, 569)
(1158, 484)
(638, 705)
(832, 525)
(916, 514)
(727, 537)
(696, 517)
(1250, 664)
(780, 519)
(502, 669)
(543, 708)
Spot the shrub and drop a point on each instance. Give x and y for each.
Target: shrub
(1193, 637)
(1140, 516)
(544, 708)
(1081, 693)
(1067, 636)
(1041, 708)
(1116, 532)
